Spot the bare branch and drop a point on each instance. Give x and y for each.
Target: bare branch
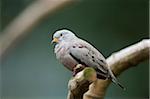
(118, 62)
(82, 79)
(27, 20)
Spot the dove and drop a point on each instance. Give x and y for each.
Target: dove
(70, 50)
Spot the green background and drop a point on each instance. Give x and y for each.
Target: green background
(31, 70)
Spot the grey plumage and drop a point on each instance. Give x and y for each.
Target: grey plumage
(71, 50)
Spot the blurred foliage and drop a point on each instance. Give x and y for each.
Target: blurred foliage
(31, 71)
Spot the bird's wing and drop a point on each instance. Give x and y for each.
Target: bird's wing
(86, 54)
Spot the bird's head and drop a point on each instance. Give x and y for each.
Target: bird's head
(63, 35)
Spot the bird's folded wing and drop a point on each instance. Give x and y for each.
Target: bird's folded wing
(87, 55)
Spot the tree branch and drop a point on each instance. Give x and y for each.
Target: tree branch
(27, 20)
(118, 62)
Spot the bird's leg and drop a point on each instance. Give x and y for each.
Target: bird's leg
(78, 68)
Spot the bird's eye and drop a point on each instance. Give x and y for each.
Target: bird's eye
(61, 35)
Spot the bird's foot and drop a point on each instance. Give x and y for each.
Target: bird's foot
(78, 68)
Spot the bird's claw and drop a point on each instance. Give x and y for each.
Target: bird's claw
(78, 68)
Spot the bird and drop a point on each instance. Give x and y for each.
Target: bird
(71, 50)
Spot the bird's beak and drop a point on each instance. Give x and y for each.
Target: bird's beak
(55, 40)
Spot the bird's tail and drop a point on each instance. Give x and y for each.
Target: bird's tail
(115, 80)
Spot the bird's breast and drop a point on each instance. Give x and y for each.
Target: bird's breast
(62, 54)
